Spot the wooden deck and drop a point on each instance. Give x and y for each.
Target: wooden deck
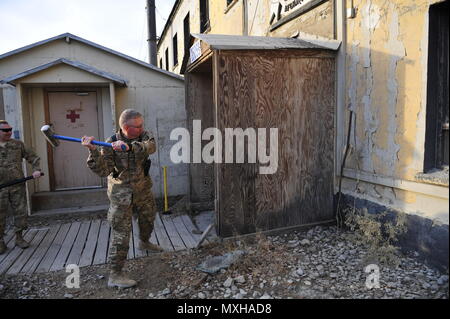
(87, 243)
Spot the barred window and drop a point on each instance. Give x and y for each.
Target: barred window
(437, 122)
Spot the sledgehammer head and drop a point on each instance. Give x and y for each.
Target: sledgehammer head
(48, 133)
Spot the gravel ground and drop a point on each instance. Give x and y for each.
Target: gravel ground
(319, 263)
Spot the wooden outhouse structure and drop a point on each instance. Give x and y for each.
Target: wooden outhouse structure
(261, 82)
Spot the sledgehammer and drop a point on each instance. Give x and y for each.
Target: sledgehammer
(52, 138)
(18, 181)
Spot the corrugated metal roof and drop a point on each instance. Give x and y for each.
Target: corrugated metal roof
(238, 42)
(75, 64)
(70, 36)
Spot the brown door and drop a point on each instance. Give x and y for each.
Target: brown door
(73, 114)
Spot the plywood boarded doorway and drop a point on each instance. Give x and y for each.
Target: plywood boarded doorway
(292, 90)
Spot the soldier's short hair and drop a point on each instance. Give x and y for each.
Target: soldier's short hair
(3, 122)
(127, 115)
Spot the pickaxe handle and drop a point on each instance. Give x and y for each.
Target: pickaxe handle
(17, 181)
(73, 139)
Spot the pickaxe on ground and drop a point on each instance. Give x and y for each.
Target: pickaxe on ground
(17, 181)
(52, 138)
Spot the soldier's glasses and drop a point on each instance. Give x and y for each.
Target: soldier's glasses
(6, 129)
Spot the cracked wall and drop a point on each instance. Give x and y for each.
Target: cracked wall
(386, 84)
(387, 44)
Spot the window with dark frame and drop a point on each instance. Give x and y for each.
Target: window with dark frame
(186, 33)
(204, 15)
(160, 63)
(175, 49)
(437, 117)
(167, 59)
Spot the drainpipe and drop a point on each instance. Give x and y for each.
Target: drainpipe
(341, 35)
(151, 32)
(244, 17)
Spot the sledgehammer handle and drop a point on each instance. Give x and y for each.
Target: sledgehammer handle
(73, 139)
(18, 181)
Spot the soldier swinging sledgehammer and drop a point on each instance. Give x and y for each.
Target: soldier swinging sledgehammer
(129, 188)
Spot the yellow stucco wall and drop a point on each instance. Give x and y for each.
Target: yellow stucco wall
(225, 20)
(386, 82)
(387, 49)
(176, 27)
(386, 44)
(318, 21)
(230, 20)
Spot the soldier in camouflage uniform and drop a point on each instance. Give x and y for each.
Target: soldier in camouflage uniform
(129, 189)
(11, 154)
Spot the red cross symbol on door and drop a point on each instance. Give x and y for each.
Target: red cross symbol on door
(72, 116)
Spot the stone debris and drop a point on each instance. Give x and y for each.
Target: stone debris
(214, 264)
(228, 282)
(322, 262)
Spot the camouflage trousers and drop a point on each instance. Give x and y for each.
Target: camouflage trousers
(122, 208)
(16, 197)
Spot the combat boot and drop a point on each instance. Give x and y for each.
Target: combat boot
(2, 247)
(145, 245)
(20, 242)
(118, 279)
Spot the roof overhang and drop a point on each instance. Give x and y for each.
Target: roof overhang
(238, 42)
(110, 77)
(203, 45)
(68, 37)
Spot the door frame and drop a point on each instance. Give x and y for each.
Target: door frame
(47, 90)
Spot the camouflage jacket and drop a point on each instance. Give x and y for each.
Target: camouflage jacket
(125, 170)
(11, 155)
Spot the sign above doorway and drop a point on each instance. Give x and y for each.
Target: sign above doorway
(282, 11)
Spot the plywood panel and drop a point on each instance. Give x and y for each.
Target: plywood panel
(235, 109)
(200, 107)
(296, 95)
(301, 190)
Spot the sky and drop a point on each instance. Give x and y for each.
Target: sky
(116, 24)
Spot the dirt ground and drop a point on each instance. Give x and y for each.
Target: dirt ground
(319, 263)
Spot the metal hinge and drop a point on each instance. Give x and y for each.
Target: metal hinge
(445, 126)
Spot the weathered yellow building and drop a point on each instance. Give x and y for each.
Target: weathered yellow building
(391, 72)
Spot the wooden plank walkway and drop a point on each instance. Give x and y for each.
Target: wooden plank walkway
(86, 243)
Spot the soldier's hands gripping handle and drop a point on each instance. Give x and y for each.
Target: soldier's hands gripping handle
(86, 141)
(37, 174)
(120, 146)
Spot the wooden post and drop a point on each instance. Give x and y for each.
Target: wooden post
(112, 95)
(20, 127)
(152, 51)
(166, 203)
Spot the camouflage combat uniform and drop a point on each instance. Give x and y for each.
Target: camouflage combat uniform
(129, 191)
(11, 155)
